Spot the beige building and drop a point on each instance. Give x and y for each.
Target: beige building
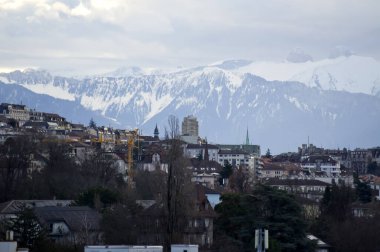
(190, 126)
(15, 111)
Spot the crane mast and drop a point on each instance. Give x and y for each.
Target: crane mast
(132, 137)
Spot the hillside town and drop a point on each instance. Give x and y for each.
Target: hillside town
(85, 187)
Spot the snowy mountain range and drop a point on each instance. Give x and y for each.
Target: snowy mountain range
(336, 101)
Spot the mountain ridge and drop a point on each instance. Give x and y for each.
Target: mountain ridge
(225, 100)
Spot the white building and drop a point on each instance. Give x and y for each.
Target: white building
(321, 163)
(272, 170)
(152, 163)
(184, 248)
(11, 246)
(206, 179)
(233, 157)
(194, 150)
(307, 188)
(255, 165)
(123, 248)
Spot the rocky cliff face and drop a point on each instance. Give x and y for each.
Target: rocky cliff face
(227, 98)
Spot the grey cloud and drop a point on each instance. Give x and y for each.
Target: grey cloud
(170, 33)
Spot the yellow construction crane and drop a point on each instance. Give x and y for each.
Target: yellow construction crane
(132, 137)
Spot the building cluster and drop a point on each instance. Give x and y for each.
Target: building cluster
(126, 147)
(67, 224)
(309, 171)
(305, 173)
(21, 114)
(356, 160)
(130, 152)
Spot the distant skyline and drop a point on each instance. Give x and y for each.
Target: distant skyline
(93, 36)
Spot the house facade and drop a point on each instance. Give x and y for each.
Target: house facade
(153, 162)
(272, 170)
(15, 111)
(70, 225)
(233, 157)
(321, 163)
(359, 160)
(307, 188)
(195, 150)
(205, 172)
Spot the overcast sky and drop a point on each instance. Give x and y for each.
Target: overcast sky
(74, 37)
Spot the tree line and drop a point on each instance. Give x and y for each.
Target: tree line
(96, 183)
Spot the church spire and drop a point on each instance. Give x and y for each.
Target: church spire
(247, 138)
(156, 133)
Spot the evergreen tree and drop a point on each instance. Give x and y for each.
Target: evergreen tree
(227, 170)
(26, 227)
(267, 154)
(326, 199)
(121, 223)
(337, 227)
(103, 196)
(373, 168)
(200, 156)
(225, 173)
(92, 124)
(265, 207)
(363, 190)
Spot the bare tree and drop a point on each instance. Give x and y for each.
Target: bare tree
(61, 174)
(150, 185)
(178, 184)
(14, 163)
(173, 132)
(99, 170)
(86, 234)
(238, 181)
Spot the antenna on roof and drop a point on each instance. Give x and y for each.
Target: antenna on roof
(247, 137)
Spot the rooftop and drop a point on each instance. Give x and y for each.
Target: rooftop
(295, 182)
(75, 217)
(14, 206)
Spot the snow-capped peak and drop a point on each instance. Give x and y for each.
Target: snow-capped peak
(355, 74)
(340, 51)
(125, 71)
(231, 64)
(297, 55)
